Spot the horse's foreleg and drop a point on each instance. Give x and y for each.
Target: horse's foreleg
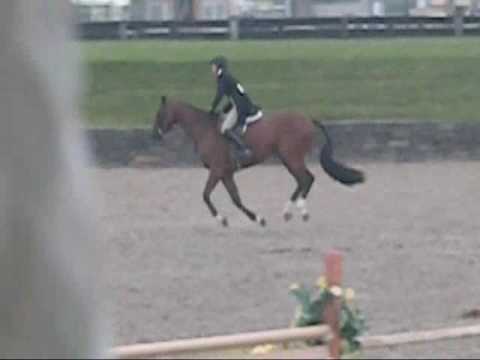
(232, 190)
(209, 187)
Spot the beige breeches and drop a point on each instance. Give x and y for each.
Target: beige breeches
(229, 120)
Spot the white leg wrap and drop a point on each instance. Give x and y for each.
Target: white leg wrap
(288, 207)
(302, 206)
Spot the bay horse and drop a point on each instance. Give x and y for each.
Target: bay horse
(287, 135)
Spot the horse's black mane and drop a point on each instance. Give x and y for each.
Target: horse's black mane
(192, 107)
(207, 118)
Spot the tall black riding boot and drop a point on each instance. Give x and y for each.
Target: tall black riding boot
(245, 152)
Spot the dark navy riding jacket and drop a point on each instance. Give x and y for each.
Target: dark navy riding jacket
(228, 86)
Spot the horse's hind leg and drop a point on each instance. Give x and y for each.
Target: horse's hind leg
(304, 179)
(209, 187)
(287, 211)
(232, 190)
(307, 181)
(292, 150)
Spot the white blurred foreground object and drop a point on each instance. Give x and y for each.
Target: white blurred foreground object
(48, 289)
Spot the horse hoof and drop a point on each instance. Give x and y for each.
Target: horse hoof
(222, 220)
(261, 221)
(287, 216)
(306, 217)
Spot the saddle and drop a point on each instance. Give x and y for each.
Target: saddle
(252, 119)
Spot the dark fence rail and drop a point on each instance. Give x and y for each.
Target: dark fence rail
(335, 27)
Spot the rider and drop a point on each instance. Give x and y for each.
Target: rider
(240, 107)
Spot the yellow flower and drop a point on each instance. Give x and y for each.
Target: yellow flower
(336, 290)
(349, 294)
(294, 286)
(322, 282)
(263, 349)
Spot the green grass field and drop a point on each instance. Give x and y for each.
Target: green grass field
(414, 79)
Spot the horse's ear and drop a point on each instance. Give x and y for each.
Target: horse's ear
(164, 100)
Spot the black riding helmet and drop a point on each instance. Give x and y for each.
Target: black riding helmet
(219, 61)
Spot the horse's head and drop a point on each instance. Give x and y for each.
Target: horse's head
(164, 120)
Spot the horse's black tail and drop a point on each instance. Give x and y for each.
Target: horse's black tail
(341, 173)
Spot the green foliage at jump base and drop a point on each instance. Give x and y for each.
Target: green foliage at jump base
(413, 79)
(311, 311)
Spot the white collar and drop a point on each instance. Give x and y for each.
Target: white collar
(219, 72)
